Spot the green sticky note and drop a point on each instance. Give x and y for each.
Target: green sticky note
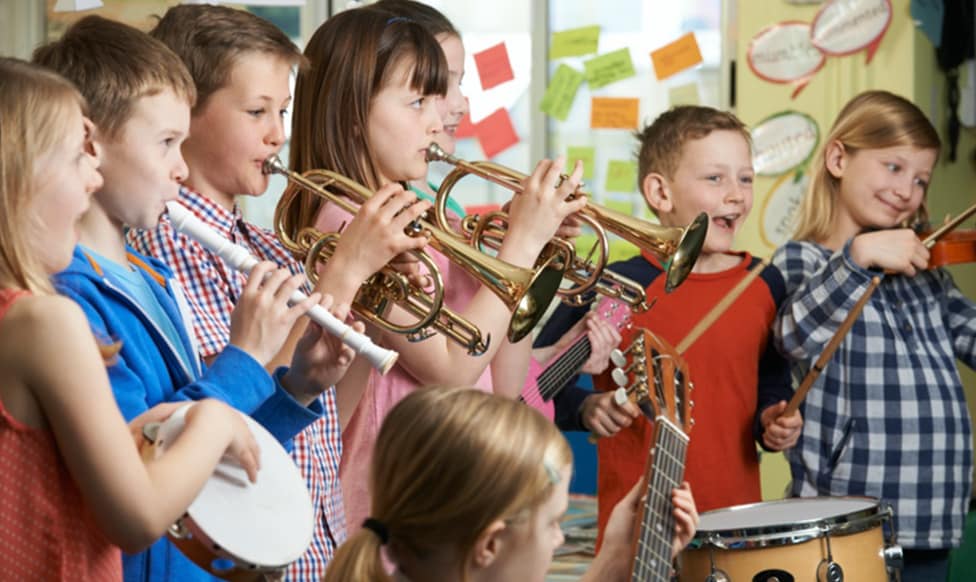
(585, 154)
(684, 95)
(622, 206)
(574, 42)
(621, 176)
(561, 92)
(609, 68)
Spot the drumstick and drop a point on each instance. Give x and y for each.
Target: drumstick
(832, 346)
(720, 307)
(240, 259)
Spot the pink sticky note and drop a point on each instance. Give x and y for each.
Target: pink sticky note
(494, 67)
(496, 133)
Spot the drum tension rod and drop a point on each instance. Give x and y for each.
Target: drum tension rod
(828, 570)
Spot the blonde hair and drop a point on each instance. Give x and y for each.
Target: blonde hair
(449, 462)
(35, 111)
(871, 120)
(212, 39)
(114, 65)
(662, 142)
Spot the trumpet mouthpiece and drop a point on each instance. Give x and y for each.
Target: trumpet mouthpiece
(436, 153)
(272, 165)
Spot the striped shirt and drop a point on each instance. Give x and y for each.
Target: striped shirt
(212, 288)
(887, 417)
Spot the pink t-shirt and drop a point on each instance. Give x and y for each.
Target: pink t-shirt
(46, 531)
(384, 392)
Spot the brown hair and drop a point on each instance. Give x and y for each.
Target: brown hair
(113, 65)
(448, 463)
(352, 57)
(35, 105)
(423, 14)
(871, 120)
(211, 39)
(662, 142)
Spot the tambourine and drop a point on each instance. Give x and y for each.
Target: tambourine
(235, 529)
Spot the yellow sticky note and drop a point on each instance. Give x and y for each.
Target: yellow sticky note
(621, 176)
(561, 92)
(609, 68)
(684, 95)
(585, 154)
(614, 112)
(574, 42)
(676, 57)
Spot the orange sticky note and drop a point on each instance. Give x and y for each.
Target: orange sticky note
(676, 57)
(496, 133)
(614, 112)
(465, 128)
(494, 68)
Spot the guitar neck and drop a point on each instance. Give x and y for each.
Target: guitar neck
(652, 556)
(563, 367)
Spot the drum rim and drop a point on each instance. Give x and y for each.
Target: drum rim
(795, 532)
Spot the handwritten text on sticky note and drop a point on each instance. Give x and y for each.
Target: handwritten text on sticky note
(676, 57)
(609, 68)
(574, 42)
(614, 112)
(561, 92)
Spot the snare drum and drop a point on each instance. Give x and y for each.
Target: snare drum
(238, 530)
(820, 539)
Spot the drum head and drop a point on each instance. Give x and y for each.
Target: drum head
(267, 524)
(786, 511)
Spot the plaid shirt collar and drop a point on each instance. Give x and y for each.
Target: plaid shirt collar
(214, 215)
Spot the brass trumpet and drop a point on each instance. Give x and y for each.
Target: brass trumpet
(526, 292)
(676, 247)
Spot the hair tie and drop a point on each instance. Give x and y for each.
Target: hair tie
(376, 526)
(393, 19)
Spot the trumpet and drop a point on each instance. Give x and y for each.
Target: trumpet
(527, 293)
(676, 247)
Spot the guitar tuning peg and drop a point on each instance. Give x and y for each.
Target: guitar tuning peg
(620, 396)
(618, 358)
(619, 377)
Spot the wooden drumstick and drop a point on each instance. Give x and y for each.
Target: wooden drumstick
(832, 346)
(720, 307)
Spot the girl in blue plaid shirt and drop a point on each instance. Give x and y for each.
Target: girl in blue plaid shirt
(888, 417)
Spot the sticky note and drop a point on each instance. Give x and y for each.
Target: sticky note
(622, 206)
(614, 112)
(586, 154)
(561, 92)
(465, 128)
(609, 68)
(496, 133)
(574, 42)
(621, 176)
(493, 65)
(676, 57)
(684, 95)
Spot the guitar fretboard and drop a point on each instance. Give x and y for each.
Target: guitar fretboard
(567, 365)
(652, 560)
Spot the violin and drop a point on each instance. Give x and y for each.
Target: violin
(953, 248)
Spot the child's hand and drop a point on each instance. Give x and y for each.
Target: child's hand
(896, 251)
(262, 319)
(685, 517)
(242, 446)
(604, 338)
(320, 360)
(780, 432)
(377, 233)
(613, 561)
(604, 417)
(541, 208)
(157, 413)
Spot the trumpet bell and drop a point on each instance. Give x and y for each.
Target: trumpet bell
(686, 252)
